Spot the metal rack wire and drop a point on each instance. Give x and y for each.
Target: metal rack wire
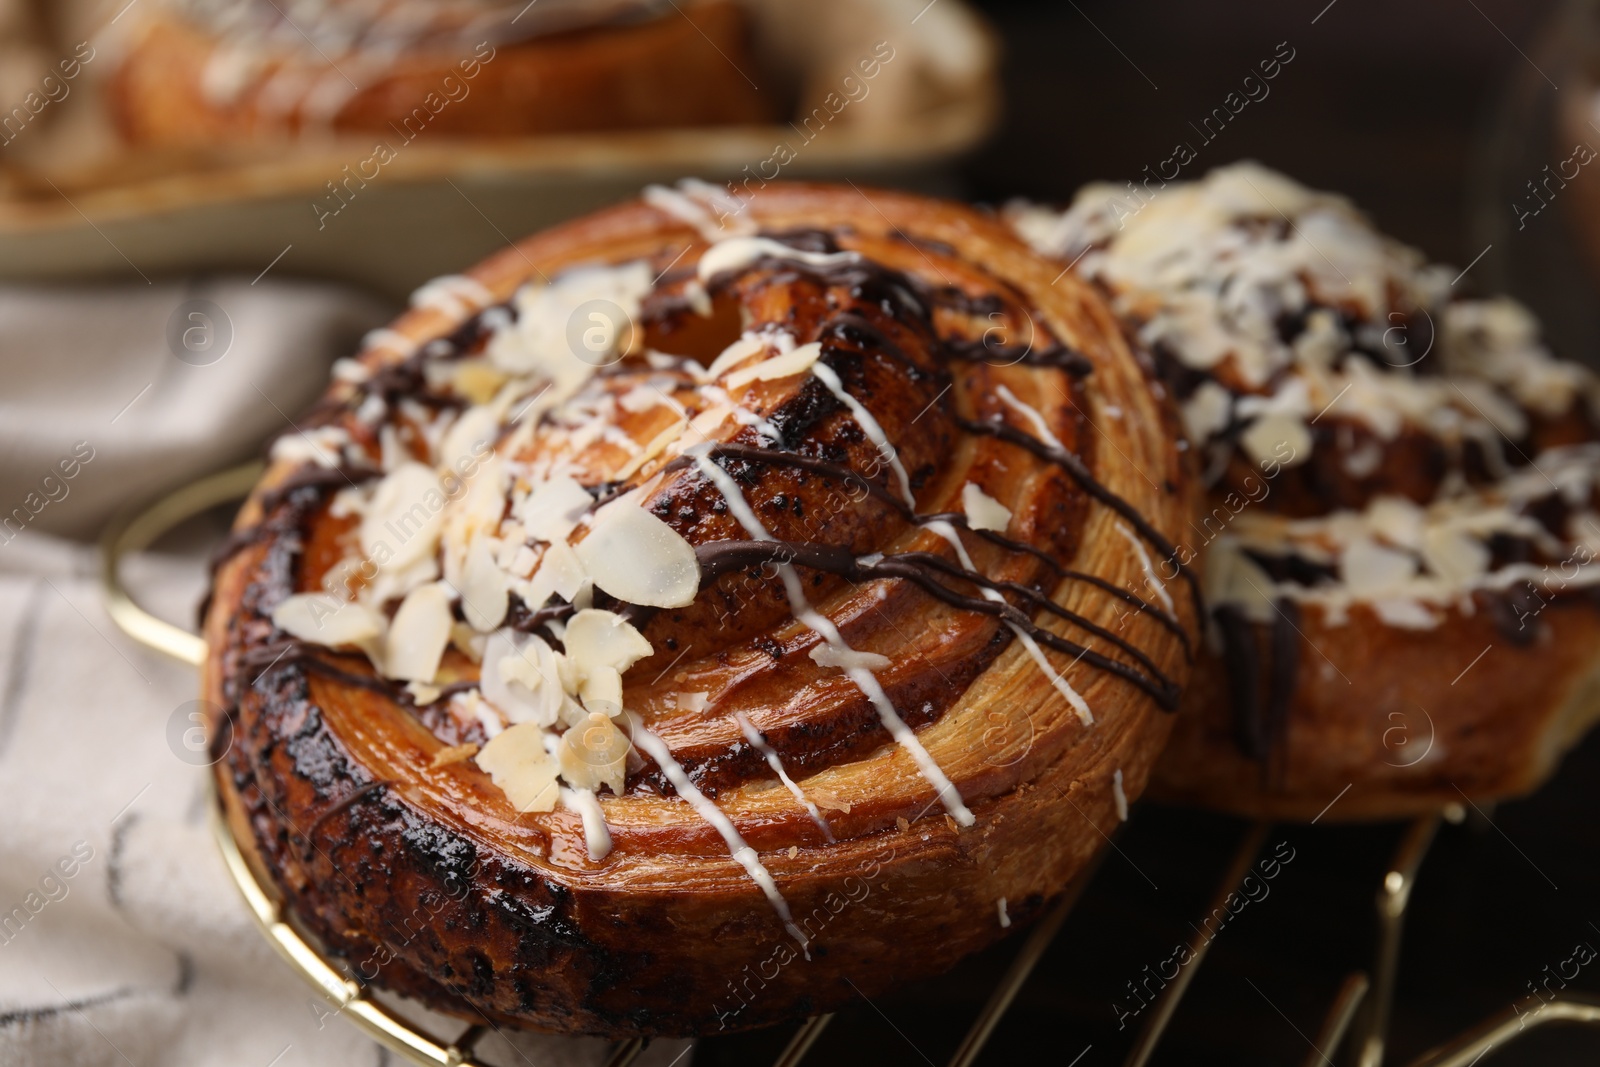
(1356, 1022)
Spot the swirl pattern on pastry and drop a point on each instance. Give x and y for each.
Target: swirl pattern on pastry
(662, 600)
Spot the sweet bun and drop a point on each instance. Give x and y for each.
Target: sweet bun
(204, 73)
(704, 613)
(1401, 529)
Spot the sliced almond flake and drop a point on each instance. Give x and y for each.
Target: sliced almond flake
(1397, 520)
(467, 641)
(736, 353)
(1277, 437)
(393, 583)
(594, 753)
(694, 291)
(901, 823)
(516, 760)
(481, 508)
(453, 754)
(796, 362)
(657, 445)
(1369, 568)
(553, 508)
(349, 502)
(1455, 556)
(510, 539)
(826, 655)
(327, 620)
(1208, 412)
(523, 561)
(794, 851)
(641, 397)
(522, 677)
(639, 559)
(423, 693)
(598, 639)
(692, 702)
(1404, 613)
(560, 572)
(470, 707)
(418, 634)
(471, 435)
(405, 517)
(478, 380)
(485, 595)
(539, 343)
(601, 691)
(572, 713)
(1363, 460)
(984, 512)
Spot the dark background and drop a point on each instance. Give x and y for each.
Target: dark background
(1429, 114)
(1424, 112)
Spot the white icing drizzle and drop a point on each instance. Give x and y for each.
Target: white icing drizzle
(820, 624)
(392, 340)
(1145, 561)
(736, 253)
(746, 856)
(454, 294)
(684, 209)
(1000, 908)
(596, 836)
(1041, 429)
(752, 735)
(1118, 796)
(1074, 698)
(869, 426)
(1405, 560)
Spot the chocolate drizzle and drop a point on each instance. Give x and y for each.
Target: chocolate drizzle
(921, 568)
(852, 477)
(1281, 676)
(997, 427)
(847, 332)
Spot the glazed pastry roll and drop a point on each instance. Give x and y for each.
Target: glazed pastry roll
(203, 73)
(1400, 532)
(706, 611)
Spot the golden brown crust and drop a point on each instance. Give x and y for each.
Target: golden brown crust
(663, 72)
(1391, 723)
(424, 875)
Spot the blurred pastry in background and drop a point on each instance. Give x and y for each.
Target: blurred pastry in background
(1404, 512)
(196, 73)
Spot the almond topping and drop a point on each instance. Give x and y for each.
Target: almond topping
(453, 754)
(984, 512)
(516, 760)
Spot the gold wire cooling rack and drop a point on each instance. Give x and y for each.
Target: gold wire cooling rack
(1354, 1029)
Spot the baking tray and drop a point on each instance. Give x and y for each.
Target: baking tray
(76, 205)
